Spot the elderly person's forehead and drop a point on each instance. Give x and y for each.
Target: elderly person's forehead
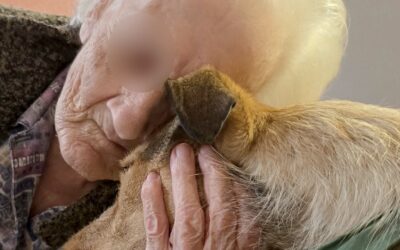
(223, 18)
(209, 8)
(133, 5)
(151, 4)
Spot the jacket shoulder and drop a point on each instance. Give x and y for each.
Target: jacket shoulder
(34, 48)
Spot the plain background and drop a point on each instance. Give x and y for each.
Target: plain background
(371, 68)
(60, 7)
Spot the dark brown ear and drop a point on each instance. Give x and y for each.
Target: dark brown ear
(202, 104)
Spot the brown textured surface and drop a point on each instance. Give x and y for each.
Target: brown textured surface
(33, 49)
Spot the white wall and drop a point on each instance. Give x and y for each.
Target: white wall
(371, 68)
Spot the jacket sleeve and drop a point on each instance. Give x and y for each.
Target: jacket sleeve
(386, 238)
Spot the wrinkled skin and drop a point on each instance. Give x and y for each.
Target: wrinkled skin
(113, 98)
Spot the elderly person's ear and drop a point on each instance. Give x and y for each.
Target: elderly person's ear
(91, 18)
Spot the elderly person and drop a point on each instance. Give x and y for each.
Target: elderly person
(111, 98)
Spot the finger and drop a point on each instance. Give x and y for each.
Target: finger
(188, 230)
(155, 215)
(221, 201)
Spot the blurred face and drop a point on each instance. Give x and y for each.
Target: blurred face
(114, 99)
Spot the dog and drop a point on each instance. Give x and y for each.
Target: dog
(315, 172)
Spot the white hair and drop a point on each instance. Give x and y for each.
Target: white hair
(82, 10)
(314, 56)
(311, 58)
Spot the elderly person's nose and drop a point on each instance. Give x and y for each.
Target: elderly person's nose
(132, 113)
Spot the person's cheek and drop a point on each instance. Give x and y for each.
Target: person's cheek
(131, 112)
(96, 90)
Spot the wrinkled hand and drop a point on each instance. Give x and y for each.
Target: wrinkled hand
(219, 226)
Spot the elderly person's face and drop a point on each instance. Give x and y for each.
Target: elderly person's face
(113, 98)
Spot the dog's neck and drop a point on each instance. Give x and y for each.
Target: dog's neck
(245, 123)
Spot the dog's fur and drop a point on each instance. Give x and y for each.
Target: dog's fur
(314, 172)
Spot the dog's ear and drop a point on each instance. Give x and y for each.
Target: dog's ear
(202, 104)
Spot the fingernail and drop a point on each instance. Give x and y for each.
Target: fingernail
(153, 176)
(206, 151)
(206, 158)
(182, 152)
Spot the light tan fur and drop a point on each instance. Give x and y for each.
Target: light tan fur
(314, 172)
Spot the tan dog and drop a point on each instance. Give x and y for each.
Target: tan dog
(315, 172)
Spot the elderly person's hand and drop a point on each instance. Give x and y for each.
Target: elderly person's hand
(218, 226)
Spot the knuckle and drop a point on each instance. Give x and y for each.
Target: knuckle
(156, 226)
(191, 211)
(188, 233)
(190, 224)
(223, 221)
